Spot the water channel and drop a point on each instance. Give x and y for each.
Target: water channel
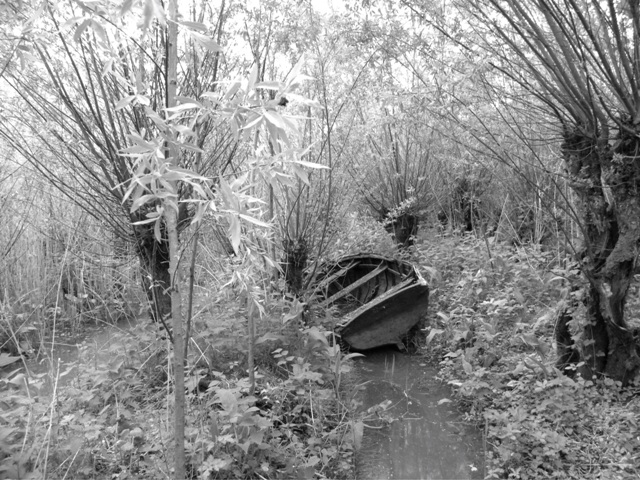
(425, 438)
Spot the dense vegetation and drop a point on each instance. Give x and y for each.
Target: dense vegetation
(176, 173)
(494, 325)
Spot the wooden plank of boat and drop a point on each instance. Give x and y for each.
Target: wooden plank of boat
(346, 270)
(332, 278)
(387, 318)
(350, 288)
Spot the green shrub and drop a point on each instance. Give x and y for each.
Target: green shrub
(493, 330)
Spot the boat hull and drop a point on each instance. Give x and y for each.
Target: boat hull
(380, 299)
(386, 319)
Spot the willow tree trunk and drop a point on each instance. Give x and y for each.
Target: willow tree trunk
(154, 263)
(606, 180)
(404, 228)
(296, 253)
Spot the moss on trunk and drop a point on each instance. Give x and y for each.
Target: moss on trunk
(606, 180)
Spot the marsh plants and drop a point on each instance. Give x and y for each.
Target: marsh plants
(491, 328)
(495, 314)
(108, 414)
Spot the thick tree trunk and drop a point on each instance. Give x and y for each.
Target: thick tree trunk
(404, 228)
(607, 183)
(595, 344)
(154, 263)
(296, 253)
(466, 200)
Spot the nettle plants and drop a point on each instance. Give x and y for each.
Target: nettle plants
(158, 179)
(149, 138)
(294, 428)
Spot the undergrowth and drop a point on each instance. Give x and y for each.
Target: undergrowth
(494, 308)
(492, 317)
(109, 415)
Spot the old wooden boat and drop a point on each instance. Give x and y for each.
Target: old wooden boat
(380, 298)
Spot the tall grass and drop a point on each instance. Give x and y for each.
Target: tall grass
(60, 270)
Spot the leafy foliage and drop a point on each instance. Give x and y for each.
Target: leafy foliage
(494, 334)
(362, 233)
(105, 417)
(416, 106)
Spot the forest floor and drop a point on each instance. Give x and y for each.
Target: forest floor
(490, 330)
(106, 410)
(492, 318)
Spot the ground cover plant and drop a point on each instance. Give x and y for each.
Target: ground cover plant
(494, 323)
(106, 414)
(188, 167)
(491, 329)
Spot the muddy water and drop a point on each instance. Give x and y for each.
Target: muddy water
(427, 440)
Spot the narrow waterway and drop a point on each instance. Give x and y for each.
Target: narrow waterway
(427, 439)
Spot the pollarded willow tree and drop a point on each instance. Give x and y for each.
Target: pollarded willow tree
(404, 154)
(89, 89)
(581, 60)
(307, 207)
(400, 184)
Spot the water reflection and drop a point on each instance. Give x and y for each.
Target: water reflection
(427, 441)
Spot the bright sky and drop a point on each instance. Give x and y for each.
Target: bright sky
(326, 6)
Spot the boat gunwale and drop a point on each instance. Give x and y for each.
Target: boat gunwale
(336, 270)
